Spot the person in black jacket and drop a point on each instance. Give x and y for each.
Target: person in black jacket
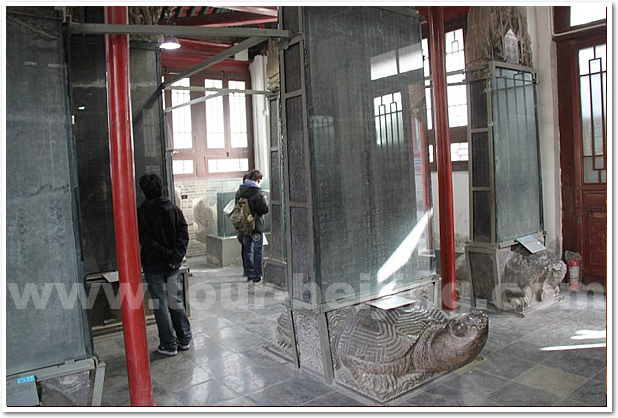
(252, 243)
(164, 236)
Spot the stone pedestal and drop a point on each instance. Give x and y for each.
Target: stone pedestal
(223, 251)
(513, 279)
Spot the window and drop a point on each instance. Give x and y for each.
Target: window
(569, 20)
(586, 13)
(215, 125)
(457, 98)
(593, 93)
(181, 117)
(389, 122)
(182, 167)
(238, 115)
(210, 136)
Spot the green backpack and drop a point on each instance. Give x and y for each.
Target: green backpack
(241, 217)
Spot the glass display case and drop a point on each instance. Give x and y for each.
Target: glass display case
(505, 179)
(356, 180)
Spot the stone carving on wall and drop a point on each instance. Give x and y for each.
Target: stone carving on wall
(308, 342)
(145, 15)
(283, 344)
(531, 278)
(272, 65)
(485, 36)
(385, 353)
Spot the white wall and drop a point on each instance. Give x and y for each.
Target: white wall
(544, 61)
(461, 209)
(261, 142)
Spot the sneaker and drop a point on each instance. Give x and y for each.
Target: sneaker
(184, 347)
(257, 279)
(167, 351)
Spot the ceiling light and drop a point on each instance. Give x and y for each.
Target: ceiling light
(169, 42)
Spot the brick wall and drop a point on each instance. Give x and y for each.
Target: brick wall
(198, 201)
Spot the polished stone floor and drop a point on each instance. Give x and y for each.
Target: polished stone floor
(536, 360)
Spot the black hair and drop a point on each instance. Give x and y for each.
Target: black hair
(152, 185)
(254, 175)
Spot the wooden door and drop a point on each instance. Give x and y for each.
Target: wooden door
(582, 78)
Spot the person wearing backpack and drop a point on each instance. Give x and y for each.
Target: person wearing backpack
(252, 240)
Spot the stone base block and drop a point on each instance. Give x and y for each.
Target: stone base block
(223, 251)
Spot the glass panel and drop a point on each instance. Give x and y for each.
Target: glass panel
(429, 106)
(182, 167)
(480, 160)
(457, 106)
(601, 52)
(590, 174)
(215, 127)
(482, 216)
(584, 86)
(410, 58)
(593, 110)
(238, 115)
(516, 168)
(459, 151)
(383, 65)
(586, 13)
(181, 117)
(228, 165)
(597, 114)
(455, 59)
(389, 123)
(292, 67)
(585, 55)
(371, 232)
(428, 90)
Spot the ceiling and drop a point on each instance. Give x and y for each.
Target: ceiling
(194, 51)
(211, 33)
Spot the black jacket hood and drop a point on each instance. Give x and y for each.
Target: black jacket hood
(157, 205)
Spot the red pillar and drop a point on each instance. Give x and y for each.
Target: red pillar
(125, 210)
(443, 152)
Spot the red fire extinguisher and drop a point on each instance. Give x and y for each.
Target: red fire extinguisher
(574, 260)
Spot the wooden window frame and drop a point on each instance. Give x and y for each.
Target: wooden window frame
(200, 153)
(562, 23)
(458, 134)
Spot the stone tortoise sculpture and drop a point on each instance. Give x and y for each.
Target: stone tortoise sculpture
(414, 340)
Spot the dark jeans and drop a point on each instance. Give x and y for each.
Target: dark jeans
(169, 309)
(252, 255)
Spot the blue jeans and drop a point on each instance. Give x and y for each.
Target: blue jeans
(252, 255)
(169, 309)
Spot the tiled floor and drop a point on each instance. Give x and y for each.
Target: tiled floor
(232, 321)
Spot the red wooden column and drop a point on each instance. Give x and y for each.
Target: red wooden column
(443, 153)
(125, 210)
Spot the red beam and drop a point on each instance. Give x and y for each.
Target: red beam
(202, 47)
(222, 19)
(174, 61)
(125, 210)
(266, 10)
(443, 145)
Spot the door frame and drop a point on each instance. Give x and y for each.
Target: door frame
(569, 118)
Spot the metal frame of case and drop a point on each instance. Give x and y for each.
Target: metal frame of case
(486, 258)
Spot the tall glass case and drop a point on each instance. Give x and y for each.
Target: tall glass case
(357, 183)
(505, 180)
